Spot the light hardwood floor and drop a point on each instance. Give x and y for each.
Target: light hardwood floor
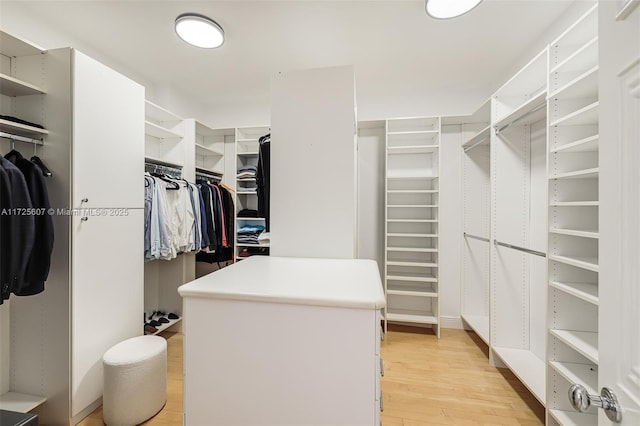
(427, 382)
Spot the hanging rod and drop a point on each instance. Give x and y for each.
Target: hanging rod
(154, 166)
(17, 138)
(208, 174)
(475, 237)
(469, 148)
(536, 109)
(526, 250)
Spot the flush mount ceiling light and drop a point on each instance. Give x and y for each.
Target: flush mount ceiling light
(447, 9)
(199, 30)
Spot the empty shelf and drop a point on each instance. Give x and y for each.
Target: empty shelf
(412, 220)
(412, 191)
(590, 144)
(575, 233)
(207, 152)
(583, 342)
(480, 138)
(253, 153)
(20, 402)
(22, 129)
(525, 110)
(11, 86)
(414, 264)
(586, 115)
(414, 132)
(580, 59)
(578, 373)
(413, 249)
(575, 204)
(585, 291)
(160, 132)
(391, 177)
(588, 263)
(416, 149)
(530, 369)
(406, 315)
(247, 192)
(423, 206)
(573, 418)
(583, 86)
(578, 174)
(479, 324)
(400, 234)
(421, 278)
(411, 290)
(159, 114)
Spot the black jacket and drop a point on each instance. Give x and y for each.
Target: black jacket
(39, 262)
(20, 238)
(263, 178)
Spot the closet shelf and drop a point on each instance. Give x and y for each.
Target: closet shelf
(585, 291)
(418, 149)
(416, 278)
(252, 245)
(575, 204)
(20, 402)
(525, 110)
(479, 324)
(573, 418)
(412, 316)
(245, 140)
(149, 158)
(160, 132)
(578, 174)
(412, 249)
(583, 116)
(482, 136)
(401, 234)
(583, 342)
(248, 153)
(411, 290)
(246, 180)
(421, 206)
(412, 191)
(583, 86)
(247, 192)
(252, 219)
(412, 220)
(413, 264)
(22, 129)
(415, 177)
(589, 144)
(163, 327)
(575, 233)
(158, 114)
(13, 46)
(530, 369)
(207, 152)
(11, 86)
(414, 132)
(578, 373)
(582, 58)
(588, 263)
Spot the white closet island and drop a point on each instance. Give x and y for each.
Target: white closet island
(284, 341)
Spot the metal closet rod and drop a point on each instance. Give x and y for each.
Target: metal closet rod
(165, 169)
(16, 138)
(526, 250)
(536, 109)
(475, 237)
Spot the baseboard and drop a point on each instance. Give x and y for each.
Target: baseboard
(86, 412)
(451, 322)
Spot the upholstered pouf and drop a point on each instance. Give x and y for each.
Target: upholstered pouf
(135, 380)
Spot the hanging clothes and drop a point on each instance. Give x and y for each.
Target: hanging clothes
(263, 179)
(220, 215)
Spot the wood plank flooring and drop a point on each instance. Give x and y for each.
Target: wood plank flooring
(427, 382)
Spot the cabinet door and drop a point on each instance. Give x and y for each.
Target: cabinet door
(107, 287)
(108, 136)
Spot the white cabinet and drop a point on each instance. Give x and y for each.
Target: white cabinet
(108, 125)
(412, 202)
(284, 341)
(106, 297)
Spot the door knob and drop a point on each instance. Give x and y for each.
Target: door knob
(581, 400)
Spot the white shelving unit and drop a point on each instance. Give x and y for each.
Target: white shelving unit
(411, 222)
(475, 133)
(210, 147)
(164, 133)
(573, 240)
(518, 221)
(23, 79)
(247, 148)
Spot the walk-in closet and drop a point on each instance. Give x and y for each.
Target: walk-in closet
(319, 213)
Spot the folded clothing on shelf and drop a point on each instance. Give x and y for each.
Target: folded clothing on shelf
(250, 229)
(248, 213)
(20, 121)
(247, 172)
(264, 237)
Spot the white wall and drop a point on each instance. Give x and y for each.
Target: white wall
(313, 176)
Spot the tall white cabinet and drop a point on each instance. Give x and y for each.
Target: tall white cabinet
(55, 340)
(411, 226)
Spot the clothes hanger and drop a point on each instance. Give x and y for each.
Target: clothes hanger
(38, 162)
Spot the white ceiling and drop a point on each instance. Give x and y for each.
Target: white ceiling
(400, 54)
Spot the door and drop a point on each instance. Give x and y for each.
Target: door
(108, 137)
(619, 315)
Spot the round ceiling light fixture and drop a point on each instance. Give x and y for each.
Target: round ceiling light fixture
(447, 9)
(199, 30)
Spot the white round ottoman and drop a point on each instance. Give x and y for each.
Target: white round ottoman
(135, 380)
